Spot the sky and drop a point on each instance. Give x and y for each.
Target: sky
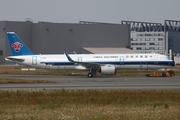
(73, 11)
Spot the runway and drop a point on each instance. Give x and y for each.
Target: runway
(103, 82)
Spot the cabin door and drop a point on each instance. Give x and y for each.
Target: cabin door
(121, 60)
(34, 60)
(79, 59)
(144, 65)
(156, 58)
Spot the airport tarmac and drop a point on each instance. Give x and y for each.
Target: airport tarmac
(83, 82)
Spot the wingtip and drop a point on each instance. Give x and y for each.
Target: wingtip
(65, 53)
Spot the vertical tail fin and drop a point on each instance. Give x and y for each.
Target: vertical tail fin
(17, 46)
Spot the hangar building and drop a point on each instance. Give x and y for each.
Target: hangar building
(147, 37)
(56, 38)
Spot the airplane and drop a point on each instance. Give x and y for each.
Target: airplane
(106, 64)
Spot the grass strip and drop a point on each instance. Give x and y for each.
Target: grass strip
(90, 104)
(13, 81)
(13, 70)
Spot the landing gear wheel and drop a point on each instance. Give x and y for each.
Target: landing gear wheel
(147, 75)
(90, 75)
(164, 75)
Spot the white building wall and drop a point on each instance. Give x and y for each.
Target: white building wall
(148, 42)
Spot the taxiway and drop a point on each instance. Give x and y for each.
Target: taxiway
(103, 82)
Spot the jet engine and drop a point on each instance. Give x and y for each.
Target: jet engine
(108, 70)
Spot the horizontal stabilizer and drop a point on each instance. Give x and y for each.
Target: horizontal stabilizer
(14, 59)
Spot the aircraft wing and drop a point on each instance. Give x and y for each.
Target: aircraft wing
(86, 64)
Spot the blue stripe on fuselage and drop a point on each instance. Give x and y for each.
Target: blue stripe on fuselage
(167, 63)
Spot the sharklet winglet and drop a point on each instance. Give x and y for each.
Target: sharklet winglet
(68, 57)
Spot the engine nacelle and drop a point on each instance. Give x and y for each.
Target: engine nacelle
(108, 70)
(80, 68)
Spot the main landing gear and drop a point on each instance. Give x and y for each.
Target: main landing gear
(92, 73)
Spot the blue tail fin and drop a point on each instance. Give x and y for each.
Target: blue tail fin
(17, 46)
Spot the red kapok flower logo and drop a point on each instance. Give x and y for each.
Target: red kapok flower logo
(17, 46)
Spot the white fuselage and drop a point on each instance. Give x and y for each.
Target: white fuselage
(120, 61)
